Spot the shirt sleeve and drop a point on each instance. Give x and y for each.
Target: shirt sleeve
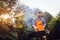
(33, 23)
(44, 22)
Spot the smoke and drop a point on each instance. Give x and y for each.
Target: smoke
(29, 13)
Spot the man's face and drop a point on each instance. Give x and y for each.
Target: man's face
(39, 14)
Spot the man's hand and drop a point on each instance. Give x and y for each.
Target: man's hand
(36, 30)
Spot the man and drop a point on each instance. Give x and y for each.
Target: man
(39, 24)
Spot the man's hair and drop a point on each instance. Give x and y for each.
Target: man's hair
(38, 11)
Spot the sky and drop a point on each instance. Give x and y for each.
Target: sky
(51, 6)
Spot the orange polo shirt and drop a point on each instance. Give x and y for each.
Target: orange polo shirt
(39, 25)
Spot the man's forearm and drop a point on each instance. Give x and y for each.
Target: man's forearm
(34, 26)
(44, 25)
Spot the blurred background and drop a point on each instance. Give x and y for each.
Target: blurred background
(16, 18)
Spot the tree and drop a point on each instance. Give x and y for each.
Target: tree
(47, 16)
(10, 3)
(55, 28)
(6, 30)
(51, 24)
